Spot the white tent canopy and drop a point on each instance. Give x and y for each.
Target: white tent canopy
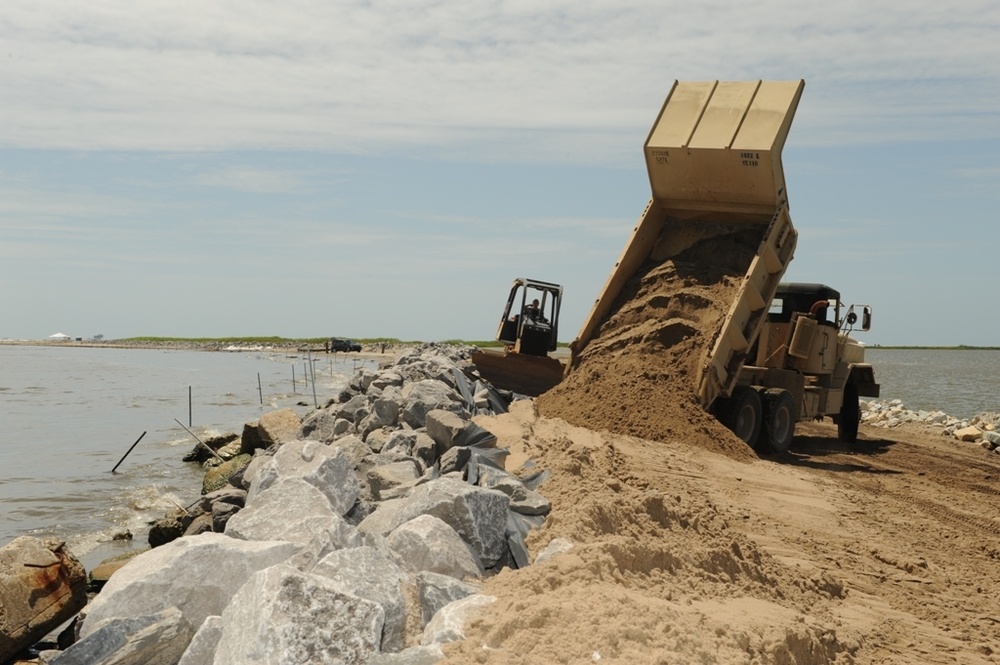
(59, 336)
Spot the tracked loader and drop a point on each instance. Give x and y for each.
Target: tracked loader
(784, 352)
(529, 331)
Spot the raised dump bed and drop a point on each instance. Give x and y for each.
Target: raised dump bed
(714, 163)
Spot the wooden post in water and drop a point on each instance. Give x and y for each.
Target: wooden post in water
(128, 451)
(260, 390)
(189, 407)
(293, 379)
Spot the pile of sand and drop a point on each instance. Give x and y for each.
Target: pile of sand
(657, 574)
(637, 376)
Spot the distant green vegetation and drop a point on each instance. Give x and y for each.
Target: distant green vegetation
(229, 340)
(960, 347)
(480, 343)
(272, 340)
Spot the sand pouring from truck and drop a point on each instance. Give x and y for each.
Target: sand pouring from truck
(784, 352)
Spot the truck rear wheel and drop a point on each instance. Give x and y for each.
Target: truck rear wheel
(742, 413)
(779, 419)
(850, 415)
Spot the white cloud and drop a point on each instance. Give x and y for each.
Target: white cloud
(556, 81)
(253, 179)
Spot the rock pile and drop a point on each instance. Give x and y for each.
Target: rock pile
(355, 535)
(983, 429)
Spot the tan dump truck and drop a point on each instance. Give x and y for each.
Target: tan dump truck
(784, 353)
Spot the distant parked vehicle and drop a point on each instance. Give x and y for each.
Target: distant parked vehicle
(341, 344)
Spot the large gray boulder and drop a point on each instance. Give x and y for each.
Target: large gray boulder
(201, 650)
(386, 378)
(323, 425)
(428, 543)
(353, 410)
(424, 449)
(363, 379)
(522, 499)
(278, 427)
(435, 591)
(445, 427)
(154, 639)
(383, 413)
(221, 514)
(392, 475)
(196, 574)
(229, 495)
(329, 468)
(427, 366)
(368, 572)
(343, 536)
(448, 625)
(282, 616)
(293, 510)
(244, 479)
(478, 515)
(425, 396)
(418, 655)
(400, 442)
(41, 585)
(352, 446)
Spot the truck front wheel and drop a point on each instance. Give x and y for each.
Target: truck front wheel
(742, 413)
(850, 415)
(779, 419)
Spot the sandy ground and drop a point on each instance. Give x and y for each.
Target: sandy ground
(881, 552)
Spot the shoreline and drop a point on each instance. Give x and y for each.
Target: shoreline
(209, 346)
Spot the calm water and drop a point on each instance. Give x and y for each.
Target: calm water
(962, 383)
(68, 414)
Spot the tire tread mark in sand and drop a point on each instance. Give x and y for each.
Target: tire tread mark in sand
(929, 507)
(985, 489)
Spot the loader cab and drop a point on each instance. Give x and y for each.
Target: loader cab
(530, 321)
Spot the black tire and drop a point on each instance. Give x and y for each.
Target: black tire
(850, 415)
(779, 420)
(742, 413)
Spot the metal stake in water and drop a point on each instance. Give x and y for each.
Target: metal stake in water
(313, 368)
(128, 451)
(207, 447)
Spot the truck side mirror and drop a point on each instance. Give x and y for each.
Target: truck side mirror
(866, 318)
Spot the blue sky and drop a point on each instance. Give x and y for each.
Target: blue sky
(385, 169)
